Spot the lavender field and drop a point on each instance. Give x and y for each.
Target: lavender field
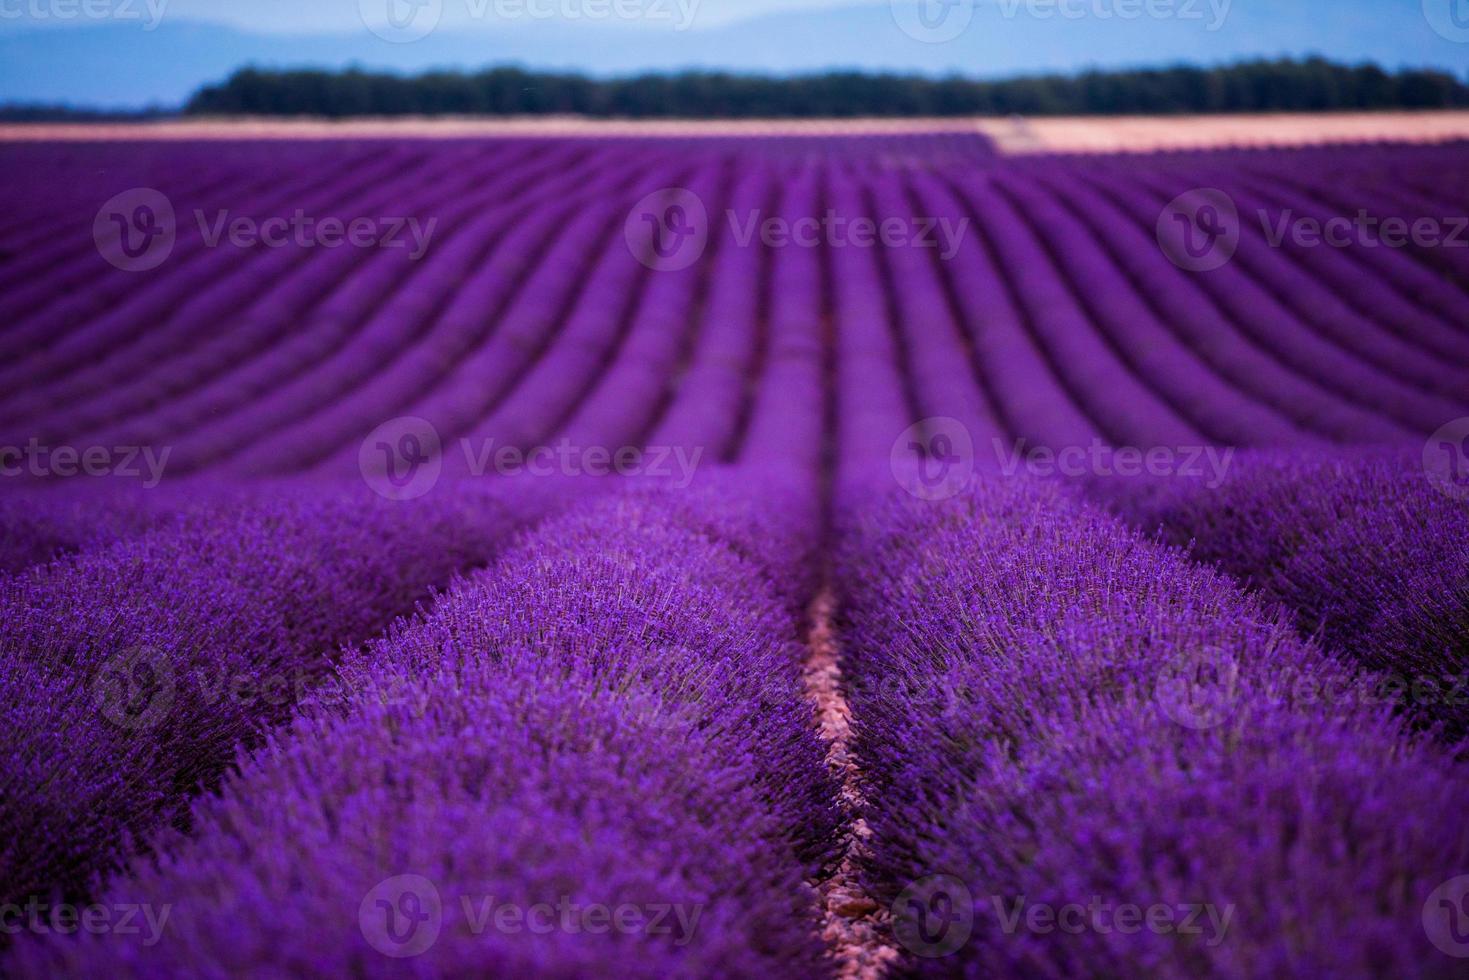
(743, 556)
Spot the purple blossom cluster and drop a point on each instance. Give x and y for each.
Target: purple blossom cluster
(609, 716)
(131, 672)
(38, 527)
(1365, 550)
(1085, 714)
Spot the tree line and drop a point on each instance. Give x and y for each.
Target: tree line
(1312, 84)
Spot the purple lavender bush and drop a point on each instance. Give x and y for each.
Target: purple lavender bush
(1052, 710)
(131, 673)
(610, 716)
(1360, 545)
(38, 527)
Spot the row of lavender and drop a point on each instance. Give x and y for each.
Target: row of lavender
(181, 629)
(528, 314)
(865, 370)
(1089, 756)
(1368, 552)
(269, 612)
(1054, 713)
(608, 717)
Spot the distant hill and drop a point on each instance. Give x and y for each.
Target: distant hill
(1259, 86)
(122, 65)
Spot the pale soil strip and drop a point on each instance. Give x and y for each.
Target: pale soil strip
(1148, 134)
(854, 922)
(1014, 135)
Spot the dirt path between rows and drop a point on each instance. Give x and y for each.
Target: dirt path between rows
(855, 926)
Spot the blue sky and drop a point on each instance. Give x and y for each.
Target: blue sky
(129, 53)
(340, 16)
